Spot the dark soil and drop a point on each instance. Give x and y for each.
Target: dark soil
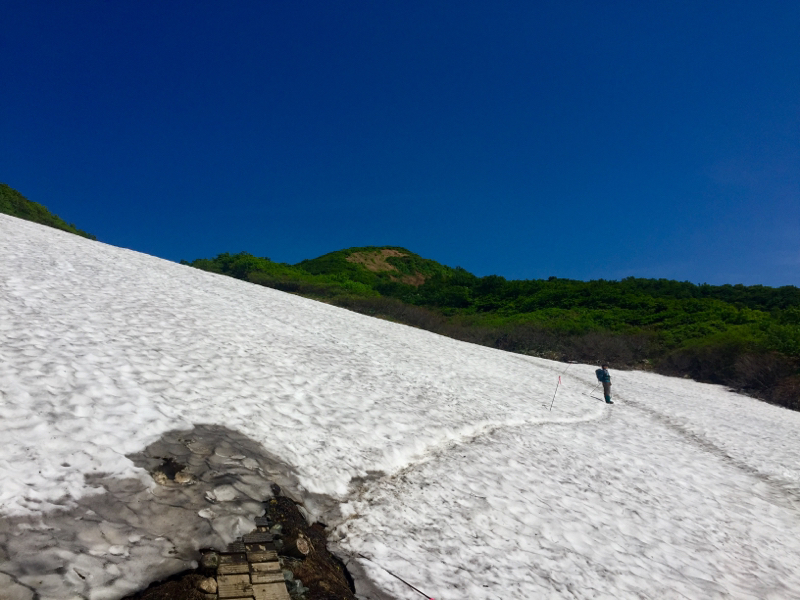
(321, 572)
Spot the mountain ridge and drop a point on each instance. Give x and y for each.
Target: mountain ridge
(15, 204)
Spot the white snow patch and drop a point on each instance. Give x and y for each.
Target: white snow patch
(448, 468)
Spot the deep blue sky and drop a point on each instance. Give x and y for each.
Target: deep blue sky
(571, 138)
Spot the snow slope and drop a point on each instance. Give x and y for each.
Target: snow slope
(434, 459)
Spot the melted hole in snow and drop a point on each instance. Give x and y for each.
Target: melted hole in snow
(170, 468)
(127, 534)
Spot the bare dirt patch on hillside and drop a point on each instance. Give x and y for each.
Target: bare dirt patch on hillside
(417, 279)
(375, 261)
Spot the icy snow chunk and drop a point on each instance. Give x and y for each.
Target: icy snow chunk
(224, 493)
(207, 513)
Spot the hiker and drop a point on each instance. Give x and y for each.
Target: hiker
(604, 377)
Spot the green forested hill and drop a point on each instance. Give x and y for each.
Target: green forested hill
(15, 204)
(747, 337)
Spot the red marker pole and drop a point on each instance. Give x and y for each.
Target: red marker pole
(554, 395)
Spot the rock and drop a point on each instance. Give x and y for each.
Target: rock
(210, 560)
(207, 513)
(184, 478)
(296, 587)
(199, 448)
(224, 450)
(207, 585)
(223, 493)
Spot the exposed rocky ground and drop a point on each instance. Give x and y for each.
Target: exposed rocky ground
(309, 570)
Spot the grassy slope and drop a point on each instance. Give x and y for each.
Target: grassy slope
(15, 204)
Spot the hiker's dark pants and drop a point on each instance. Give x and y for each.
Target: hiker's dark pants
(607, 389)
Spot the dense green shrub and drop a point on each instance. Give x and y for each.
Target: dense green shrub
(15, 204)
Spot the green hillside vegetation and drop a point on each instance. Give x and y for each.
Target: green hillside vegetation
(746, 337)
(15, 204)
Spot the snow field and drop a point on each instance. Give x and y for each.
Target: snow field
(106, 349)
(578, 511)
(436, 459)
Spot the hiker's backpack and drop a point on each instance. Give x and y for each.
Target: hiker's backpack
(600, 374)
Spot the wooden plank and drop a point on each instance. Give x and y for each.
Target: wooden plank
(233, 569)
(235, 547)
(258, 537)
(260, 547)
(266, 567)
(257, 557)
(266, 577)
(263, 522)
(227, 559)
(271, 591)
(234, 586)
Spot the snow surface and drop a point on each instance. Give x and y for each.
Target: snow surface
(432, 459)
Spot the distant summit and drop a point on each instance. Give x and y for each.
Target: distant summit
(377, 264)
(376, 261)
(15, 204)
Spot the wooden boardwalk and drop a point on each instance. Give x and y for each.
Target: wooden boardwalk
(250, 569)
